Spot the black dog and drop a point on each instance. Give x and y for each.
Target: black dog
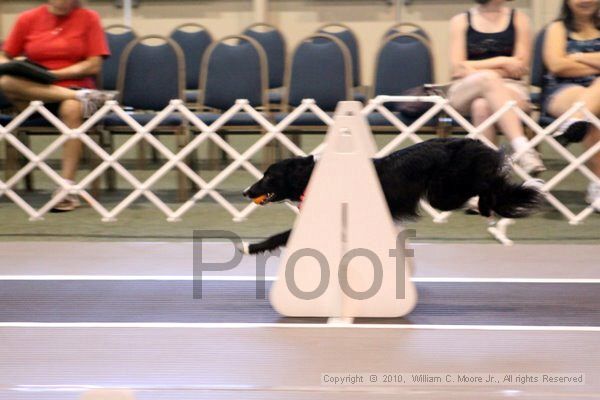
(445, 172)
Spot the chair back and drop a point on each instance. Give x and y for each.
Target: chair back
(234, 67)
(320, 69)
(194, 40)
(538, 69)
(117, 37)
(402, 64)
(406, 27)
(346, 35)
(151, 73)
(273, 43)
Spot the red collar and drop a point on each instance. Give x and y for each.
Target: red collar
(300, 202)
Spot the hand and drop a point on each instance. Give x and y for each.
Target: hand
(58, 73)
(463, 70)
(514, 67)
(576, 56)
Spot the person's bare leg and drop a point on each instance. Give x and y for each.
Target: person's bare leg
(489, 86)
(576, 127)
(18, 89)
(590, 139)
(70, 114)
(591, 97)
(564, 100)
(480, 112)
(593, 191)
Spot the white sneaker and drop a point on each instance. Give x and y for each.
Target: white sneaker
(68, 203)
(593, 196)
(91, 100)
(531, 162)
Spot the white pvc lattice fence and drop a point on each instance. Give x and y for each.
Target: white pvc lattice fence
(273, 132)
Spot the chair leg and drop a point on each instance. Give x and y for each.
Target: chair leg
(141, 154)
(12, 161)
(108, 144)
(94, 162)
(182, 138)
(193, 159)
(297, 140)
(85, 155)
(213, 155)
(24, 138)
(223, 159)
(443, 129)
(269, 153)
(154, 153)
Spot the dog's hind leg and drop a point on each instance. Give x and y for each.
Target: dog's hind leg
(269, 244)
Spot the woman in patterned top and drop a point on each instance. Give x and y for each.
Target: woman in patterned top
(572, 57)
(490, 48)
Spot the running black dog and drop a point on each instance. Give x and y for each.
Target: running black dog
(446, 172)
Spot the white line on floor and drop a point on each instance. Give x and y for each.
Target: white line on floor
(272, 278)
(241, 325)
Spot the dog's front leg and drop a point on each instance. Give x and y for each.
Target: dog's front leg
(269, 244)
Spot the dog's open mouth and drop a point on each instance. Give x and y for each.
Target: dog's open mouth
(263, 199)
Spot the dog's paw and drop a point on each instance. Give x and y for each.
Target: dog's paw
(535, 183)
(243, 247)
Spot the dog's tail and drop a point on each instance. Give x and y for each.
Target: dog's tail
(511, 200)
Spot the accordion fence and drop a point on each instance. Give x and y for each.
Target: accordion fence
(272, 132)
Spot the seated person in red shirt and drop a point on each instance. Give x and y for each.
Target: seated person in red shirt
(69, 41)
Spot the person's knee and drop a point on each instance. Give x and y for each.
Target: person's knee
(70, 111)
(8, 85)
(480, 108)
(487, 79)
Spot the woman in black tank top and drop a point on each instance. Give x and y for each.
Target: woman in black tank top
(490, 49)
(481, 46)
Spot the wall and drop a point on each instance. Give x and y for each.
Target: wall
(298, 18)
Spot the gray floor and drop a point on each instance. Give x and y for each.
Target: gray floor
(152, 337)
(236, 302)
(569, 261)
(272, 363)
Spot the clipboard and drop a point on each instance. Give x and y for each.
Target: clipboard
(28, 70)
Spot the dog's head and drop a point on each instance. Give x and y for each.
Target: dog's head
(284, 180)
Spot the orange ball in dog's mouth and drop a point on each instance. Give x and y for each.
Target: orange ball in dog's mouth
(260, 199)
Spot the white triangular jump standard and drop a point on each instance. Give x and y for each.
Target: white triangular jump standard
(342, 259)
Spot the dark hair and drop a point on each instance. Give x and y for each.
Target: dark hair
(567, 17)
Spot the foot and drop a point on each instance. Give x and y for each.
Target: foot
(472, 206)
(243, 247)
(571, 131)
(535, 183)
(68, 203)
(531, 162)
(91, 100)
(593, 196)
